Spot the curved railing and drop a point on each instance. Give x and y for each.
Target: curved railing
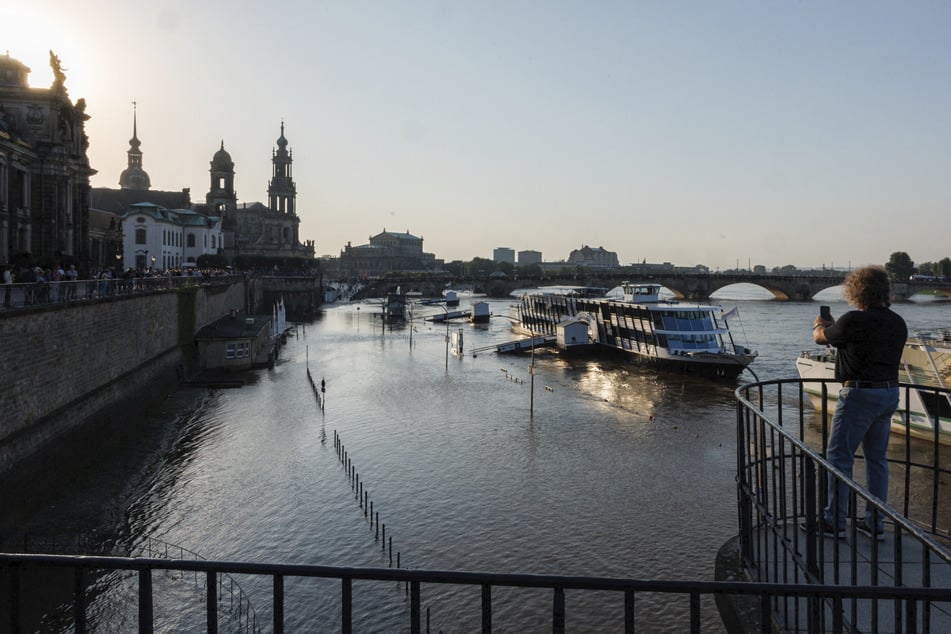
(782, 478)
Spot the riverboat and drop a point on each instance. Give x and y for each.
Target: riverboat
(687, 338)
(925, 365)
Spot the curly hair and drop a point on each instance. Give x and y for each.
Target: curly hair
(868, 286)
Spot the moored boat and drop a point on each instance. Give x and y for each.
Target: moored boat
(925, 367)
(687, 338)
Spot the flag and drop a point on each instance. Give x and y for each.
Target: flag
(730, 314)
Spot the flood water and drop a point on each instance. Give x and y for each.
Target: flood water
(620, 472)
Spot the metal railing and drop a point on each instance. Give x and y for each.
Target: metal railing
(40, 294)
(765, 594)
(782, 479)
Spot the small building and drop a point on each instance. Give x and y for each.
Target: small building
(572, 334)
(235, 342)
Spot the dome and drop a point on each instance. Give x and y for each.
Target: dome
(281, 141)
(222, 160)
(134, 178)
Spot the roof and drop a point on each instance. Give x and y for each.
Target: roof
(119, 200)
(181, 217)
(401, 236)
(234, 327)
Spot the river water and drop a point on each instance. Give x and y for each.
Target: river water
(619, 472)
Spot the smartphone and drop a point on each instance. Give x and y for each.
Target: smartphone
(825, 313)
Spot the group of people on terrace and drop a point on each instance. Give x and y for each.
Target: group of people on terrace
(33, 284)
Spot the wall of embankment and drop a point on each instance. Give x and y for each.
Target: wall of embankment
(64, 365)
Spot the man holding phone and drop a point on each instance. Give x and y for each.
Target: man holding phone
(869, 342)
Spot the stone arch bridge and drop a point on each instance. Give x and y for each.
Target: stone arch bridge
(689, 286)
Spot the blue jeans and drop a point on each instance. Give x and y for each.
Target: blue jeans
(862, 416)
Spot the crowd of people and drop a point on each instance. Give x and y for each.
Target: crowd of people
(33, 284)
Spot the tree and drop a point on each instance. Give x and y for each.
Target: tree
(943, 268)
(900, 266)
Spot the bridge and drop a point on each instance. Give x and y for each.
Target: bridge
(693, 286)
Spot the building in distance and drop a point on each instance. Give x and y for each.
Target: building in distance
(503, 255)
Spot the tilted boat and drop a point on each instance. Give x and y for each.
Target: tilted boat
(925, 365)
(687, 338)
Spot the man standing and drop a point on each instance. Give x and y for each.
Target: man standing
(869, 342)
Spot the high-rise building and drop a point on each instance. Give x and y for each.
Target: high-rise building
(502, 255)
(529, 257)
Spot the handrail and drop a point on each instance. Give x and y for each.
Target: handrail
(692, 590)
(782, 488)
(36, 295)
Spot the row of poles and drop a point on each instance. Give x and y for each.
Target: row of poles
(363, 497)
(361, 494)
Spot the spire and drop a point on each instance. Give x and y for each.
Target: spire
(134, 141)
(134, 177)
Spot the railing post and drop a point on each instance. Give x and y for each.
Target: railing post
(346, 605)
(79, 600)
(414, 607)
(211, 601)
(744, 506)
(486, 609)
(558, 612)
(812, 530)
(629, 611)
(145, 601)
(278, 604)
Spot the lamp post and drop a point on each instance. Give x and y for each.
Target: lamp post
(447, 335)
(531, 367)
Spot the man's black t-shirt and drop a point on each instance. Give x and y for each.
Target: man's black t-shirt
(869, 343)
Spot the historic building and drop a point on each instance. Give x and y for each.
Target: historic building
(44, 170)
(257, 234)
(109, 245)
(159, 238)
(387, 251)
(593, 258)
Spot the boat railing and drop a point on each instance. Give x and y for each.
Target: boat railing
(782, 483)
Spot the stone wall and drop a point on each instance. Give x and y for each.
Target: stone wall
(63, 364)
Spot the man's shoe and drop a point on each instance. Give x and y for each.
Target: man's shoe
(827, 530)
(866, 530)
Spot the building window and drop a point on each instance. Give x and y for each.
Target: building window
(238, 350)
(140, 235)
(191, 239)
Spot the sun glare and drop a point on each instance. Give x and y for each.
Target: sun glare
(29, 34)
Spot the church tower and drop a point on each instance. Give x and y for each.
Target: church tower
(221, 197)
(133, 176)
(281, 191)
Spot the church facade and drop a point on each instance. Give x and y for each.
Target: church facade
(255, 234)
(44, 169)
(164, 229)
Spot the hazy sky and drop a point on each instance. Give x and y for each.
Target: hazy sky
(766, 132)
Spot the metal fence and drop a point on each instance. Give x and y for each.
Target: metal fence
(39, 294)
(782, 478)
(765, 594)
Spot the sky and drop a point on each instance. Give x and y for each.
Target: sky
(810, 133)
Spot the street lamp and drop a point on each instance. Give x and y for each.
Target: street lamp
(531, 368)
(447, 335)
